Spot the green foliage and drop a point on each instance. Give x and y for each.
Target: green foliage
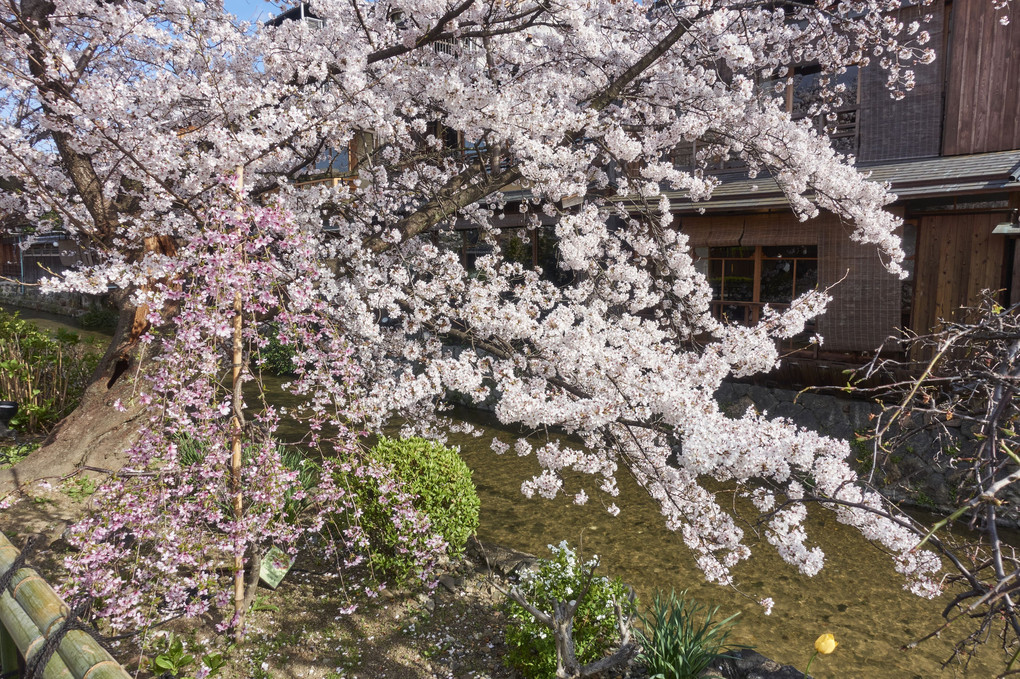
(275, 358)
(261, 603)
(863, 448)
(46, 375)
(172, 658)
(924, 500)
(67, 337)
(99, 320)
(674, 645)
(79, 489)
(516, 250)
(12, 454)
(191, 451)
(214, 661)
(531, 648)
(441, 483)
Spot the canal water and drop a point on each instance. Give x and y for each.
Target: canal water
(54, 322)
(857, 596)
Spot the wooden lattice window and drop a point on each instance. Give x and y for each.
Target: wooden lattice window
(745, 279)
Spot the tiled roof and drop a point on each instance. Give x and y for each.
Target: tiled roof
(914, 178)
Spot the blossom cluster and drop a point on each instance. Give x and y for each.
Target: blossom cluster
(165, 530)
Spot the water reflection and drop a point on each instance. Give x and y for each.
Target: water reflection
(54, 322)
(858, 596)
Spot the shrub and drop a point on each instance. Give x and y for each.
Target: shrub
(441, 483)
(100, 320)
(45, 375)
(674, 645)
(531, 648)
(276, 358)
(191, 451)
(14, 453)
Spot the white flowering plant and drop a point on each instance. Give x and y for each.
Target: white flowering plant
(531, 646)
(182, 150)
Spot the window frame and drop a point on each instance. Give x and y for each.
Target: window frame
(758, 257)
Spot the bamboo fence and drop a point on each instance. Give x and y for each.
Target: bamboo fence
(32, 613)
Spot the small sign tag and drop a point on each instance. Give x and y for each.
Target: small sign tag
(275, 565)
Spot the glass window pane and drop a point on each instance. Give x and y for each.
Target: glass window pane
(548, 257)
(450, 240)
(785, 251)
(731, 252)
(738, 283)
(737, 313)
(777, 281)
(516, 247)
(845, 86)
(909, 240)
(807, 92)
(715, 277)
(700, 261)
(807, 275)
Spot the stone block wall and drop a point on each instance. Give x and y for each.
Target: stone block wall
(837, 417)
(923, 472)
(64, 303)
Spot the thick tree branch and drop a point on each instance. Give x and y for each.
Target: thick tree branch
(467, 187)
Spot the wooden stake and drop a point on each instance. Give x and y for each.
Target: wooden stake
(236, 453)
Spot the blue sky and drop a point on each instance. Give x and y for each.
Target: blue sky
(252, 10)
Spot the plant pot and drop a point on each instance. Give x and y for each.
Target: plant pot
(8, 409)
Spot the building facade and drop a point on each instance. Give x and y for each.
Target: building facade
(951, 152)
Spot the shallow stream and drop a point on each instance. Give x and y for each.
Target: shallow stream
(858, 596)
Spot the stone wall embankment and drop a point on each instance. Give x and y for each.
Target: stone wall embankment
(65, 303)
(923, 471)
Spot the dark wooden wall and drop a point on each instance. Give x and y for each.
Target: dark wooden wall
(10, 266)
(912, 127)
(983, 82)
(865, 307)
(957, 258)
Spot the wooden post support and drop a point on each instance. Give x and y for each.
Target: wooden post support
(236, 457)
(235, 473)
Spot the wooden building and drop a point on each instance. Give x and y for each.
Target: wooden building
(30, 259)
(950, 150)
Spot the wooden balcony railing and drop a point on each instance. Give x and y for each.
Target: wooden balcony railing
(346, 180)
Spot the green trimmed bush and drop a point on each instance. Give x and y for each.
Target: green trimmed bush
(275, 358)
(441, 484)
(100, 320)
(531, 648)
